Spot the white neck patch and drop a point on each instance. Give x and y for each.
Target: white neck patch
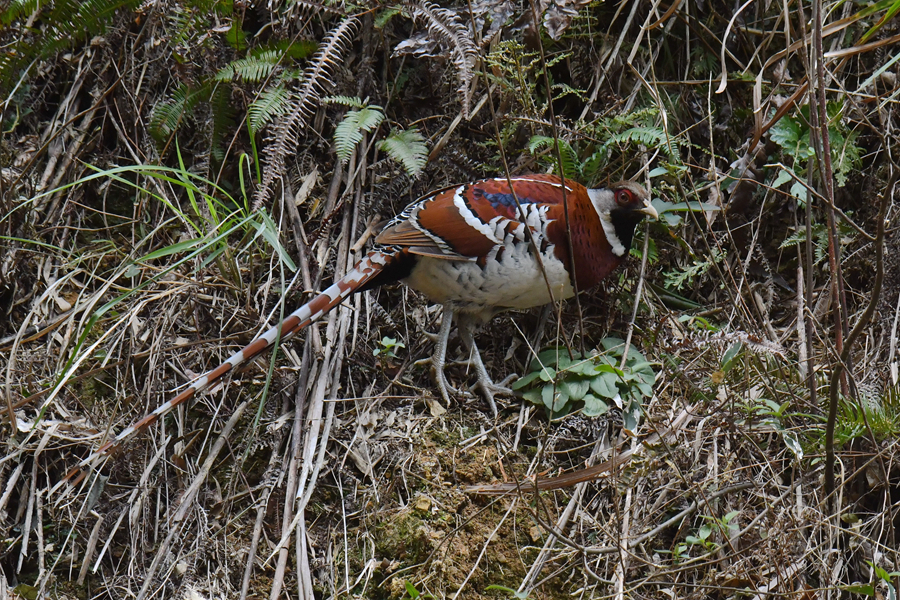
(610, 230)
(604, 201)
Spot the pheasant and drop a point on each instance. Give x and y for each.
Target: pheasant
(466, 247)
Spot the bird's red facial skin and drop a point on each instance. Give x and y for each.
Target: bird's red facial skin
(624, 197)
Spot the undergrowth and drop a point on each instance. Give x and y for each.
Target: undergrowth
(176, 177)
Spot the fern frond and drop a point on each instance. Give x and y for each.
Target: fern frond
(350, 101)
(349, 131)
(272, 102)
(317, 78)
(168, 114)
(222, 120)
(570, 163)
(444, 25)
(648, 136)
(252, 69)
(16, 9)
(65, 24)
(408, 148)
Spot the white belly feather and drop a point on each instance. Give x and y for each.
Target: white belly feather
(515, 281)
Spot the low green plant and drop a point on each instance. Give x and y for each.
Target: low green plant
(588, 160)
(792, 134)
(508, 591)
(868, 589)
(268, 66)
(406, 146)
(388, 345)
(846, 233)
(412, 593)
(561, 383)
(686, 276)
(876, 417)
(723, 525)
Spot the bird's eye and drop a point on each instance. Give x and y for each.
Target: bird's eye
(624, 197)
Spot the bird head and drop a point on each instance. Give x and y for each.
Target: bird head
(621, 207)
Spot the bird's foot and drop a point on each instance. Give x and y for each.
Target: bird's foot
(440, 378)
(490, 390)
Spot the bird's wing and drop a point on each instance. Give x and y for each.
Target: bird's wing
(467, 222)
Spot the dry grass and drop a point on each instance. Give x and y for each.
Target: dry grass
(324, 471)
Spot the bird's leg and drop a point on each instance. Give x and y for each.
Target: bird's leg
(439, 358)
(467, 326)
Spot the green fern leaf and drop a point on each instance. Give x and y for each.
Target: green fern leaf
(648, 136)
(408, 148)
(168, 114)
(349, 132)
(271, 103)
(571, 167)
(348, 101)
(252, 69)
(222, 121)
(16, 9)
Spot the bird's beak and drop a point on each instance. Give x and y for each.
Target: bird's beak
(649, 211)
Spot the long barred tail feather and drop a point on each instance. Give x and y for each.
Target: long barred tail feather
(361, 277)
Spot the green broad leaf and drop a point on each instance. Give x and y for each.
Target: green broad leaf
(730, 355)
(783, 177)
(551, 356)
(635, 356)
(560, 400)
(564, 362)
(575, 388)
(672, 218)
(26, 591)
(548, 396)
(692, 206)
(411, 590)
(786, 133)
(594, 406)
(645, 389)
(521, 382)
(613, 345)
(548, 374)
(799, 191)
(643, 367)
(867, 589)
(631, 416)
(644, 377)
(535, 396)
(585, 367)
(605, 385)
(607, 365)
